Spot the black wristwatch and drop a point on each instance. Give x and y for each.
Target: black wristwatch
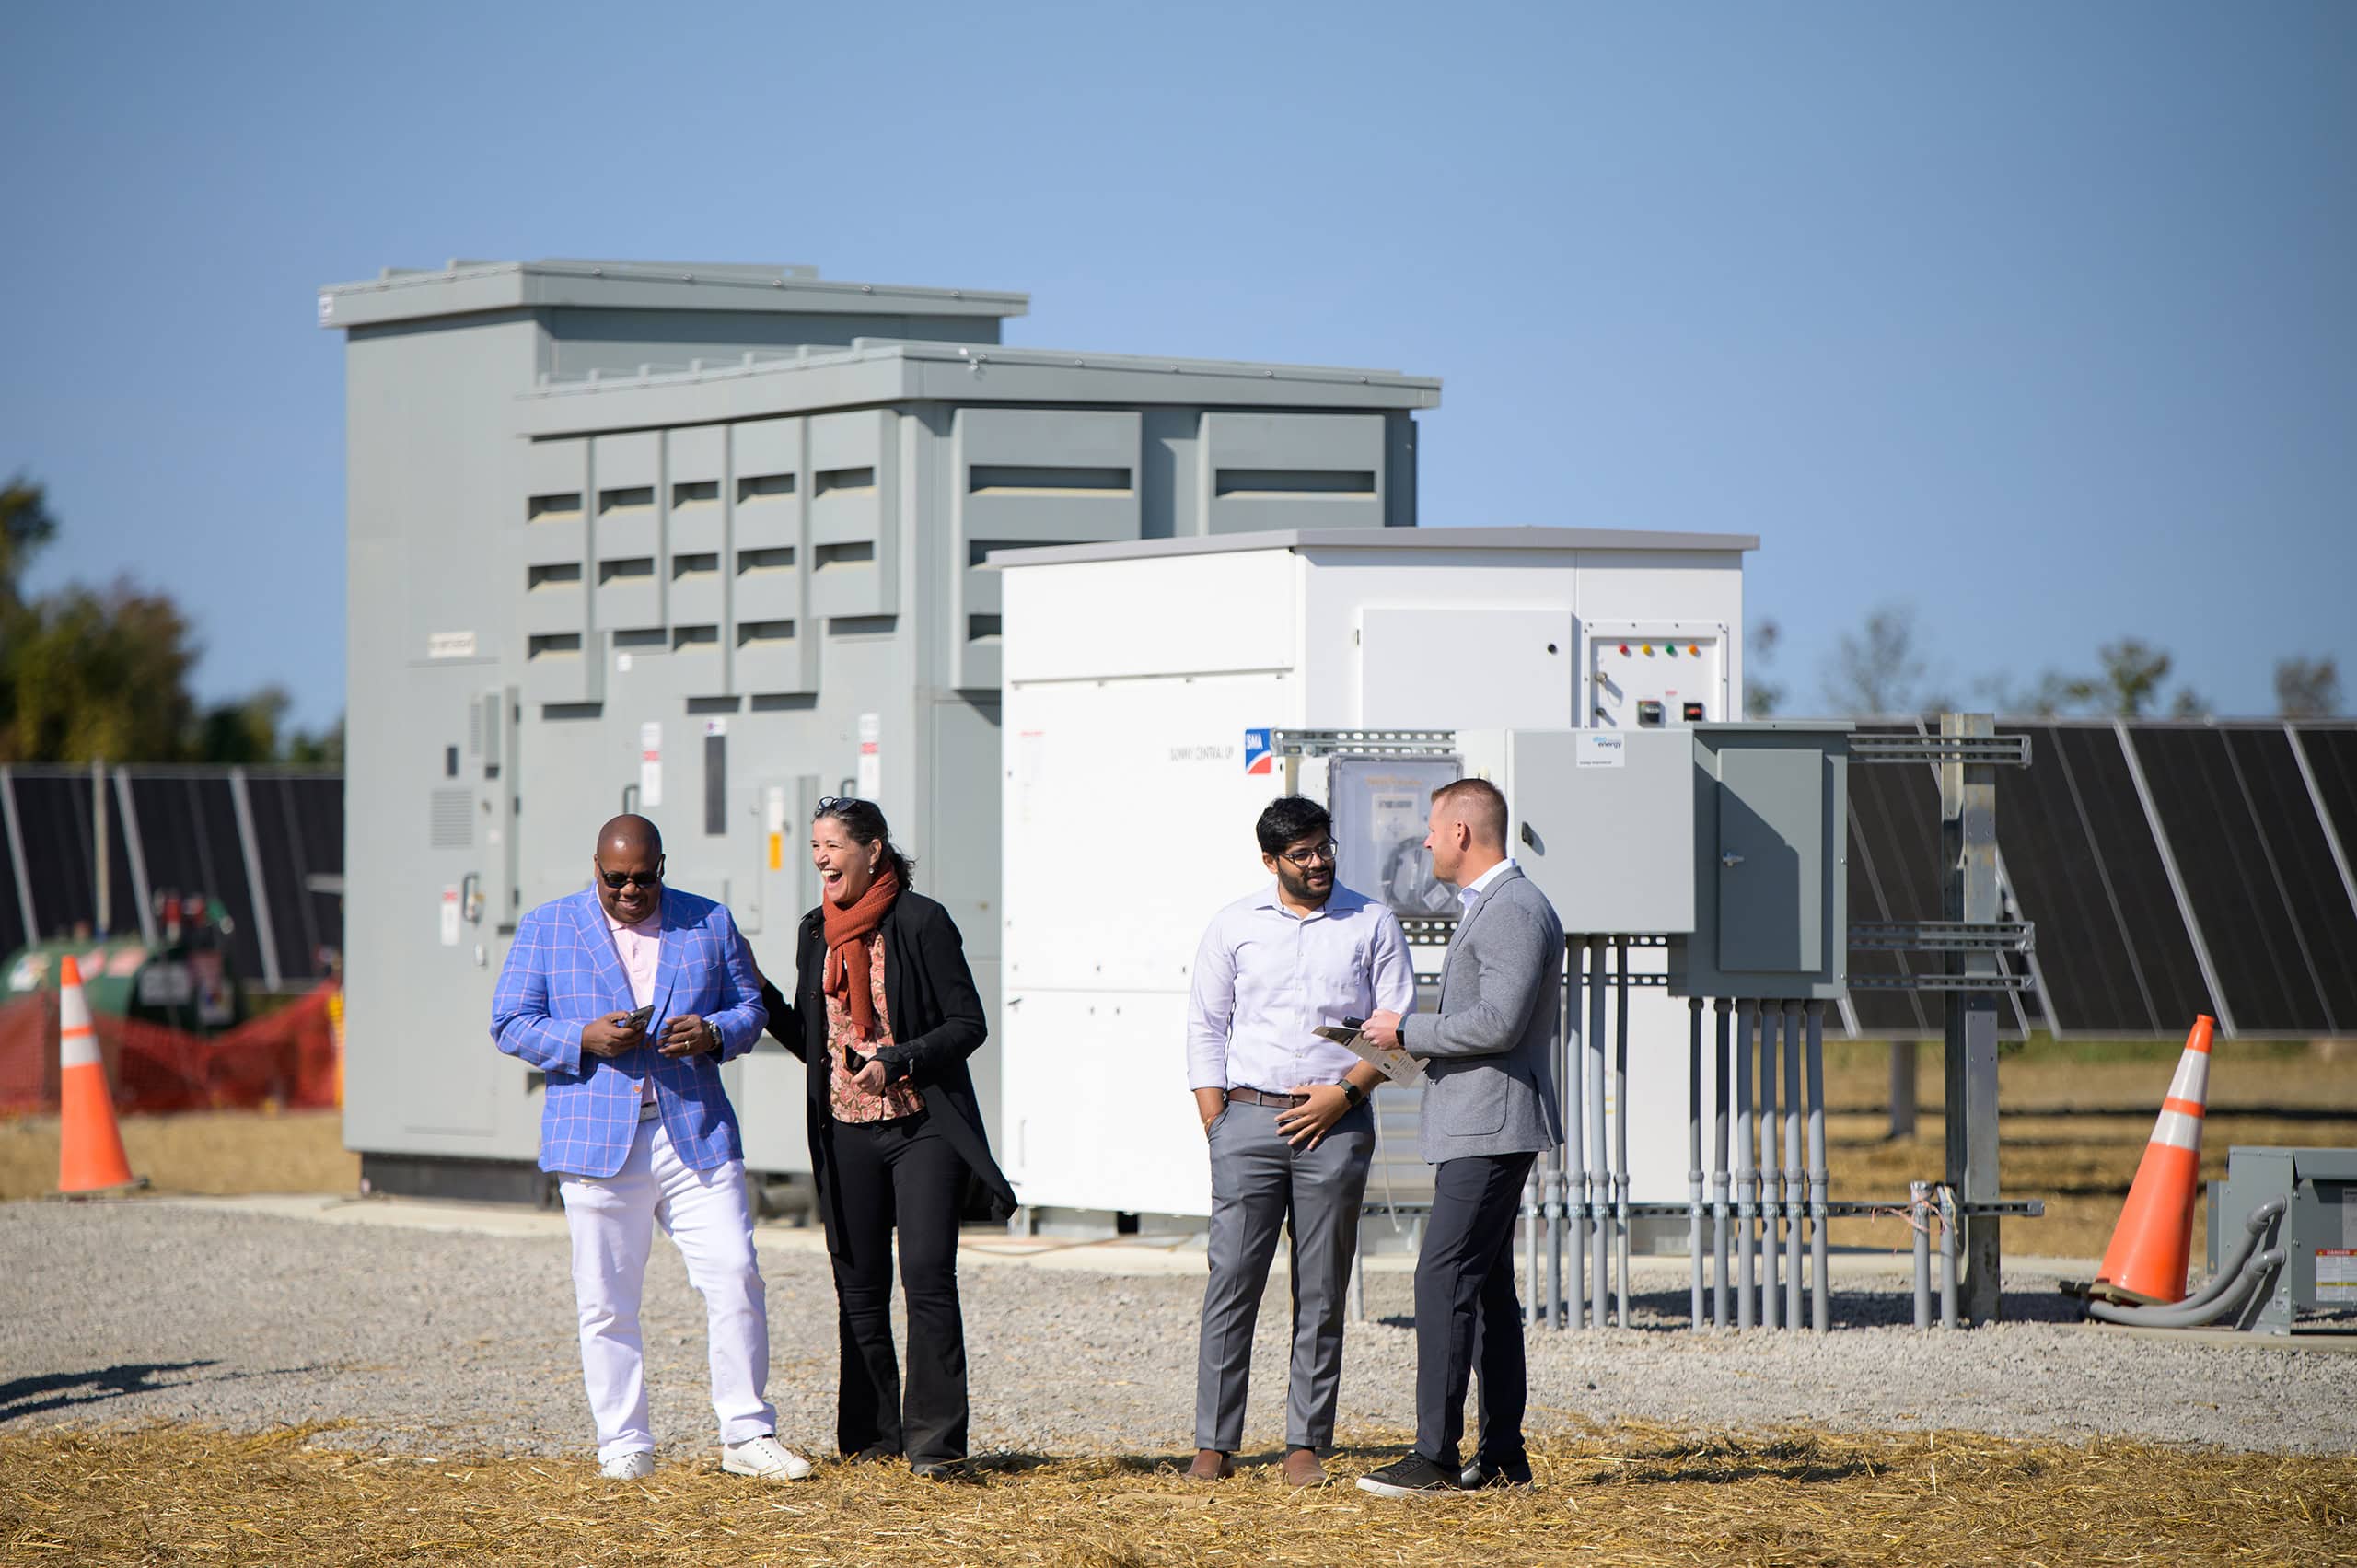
(1355, 1094)
(712, 1035)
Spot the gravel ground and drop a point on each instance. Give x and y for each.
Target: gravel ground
(447, 1342)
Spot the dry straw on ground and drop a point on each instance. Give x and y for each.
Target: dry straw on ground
(1631, 1494)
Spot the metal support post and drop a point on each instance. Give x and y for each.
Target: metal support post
(1968, 858)
(1919, 1220)
(1746, 1180)
(1356, 1302)
(1694, 1159)
(1567, 1271)
(1903, 1088)
(1796, 1178)
(1621, 1129)
(102, 887)
(134, 854)
(1820, 1179)
(1720, 1009)
(1771, 1302)
(15, 833)
(256, 888)
(1599, 1183)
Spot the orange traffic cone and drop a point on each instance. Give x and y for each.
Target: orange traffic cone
(89, 1146)
(2147, 1259)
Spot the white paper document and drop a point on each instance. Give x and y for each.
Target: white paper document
(1391, 1062)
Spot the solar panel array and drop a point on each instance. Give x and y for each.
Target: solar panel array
(183, 822)
(2170, 869)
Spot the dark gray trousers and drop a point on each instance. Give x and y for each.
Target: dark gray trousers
(1467, 1312)
(1260, 1183)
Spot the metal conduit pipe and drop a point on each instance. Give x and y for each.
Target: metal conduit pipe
(1599, 1176)
(2223, 1291)
(1772, 1301)
(1920, 1221)
(1795, 1182)
(1570, 1174)
(1746, 1017)
(1951, 1255)
(1694, 1159)
(1621, 1129)
(1723, 1008)
(1531, 1205)
(1820, 1179)
(2182, 1316)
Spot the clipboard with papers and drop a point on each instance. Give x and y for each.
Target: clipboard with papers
(1392, 1061)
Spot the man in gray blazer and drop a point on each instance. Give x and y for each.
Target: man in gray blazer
(1490, 1106)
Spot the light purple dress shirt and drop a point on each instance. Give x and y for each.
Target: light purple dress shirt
(1265, 978)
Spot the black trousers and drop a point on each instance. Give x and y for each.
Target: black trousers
(899, 1173)
(1466, 1311)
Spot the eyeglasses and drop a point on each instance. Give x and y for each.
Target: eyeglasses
(618, 881)
(829, 802)
(1311, 855)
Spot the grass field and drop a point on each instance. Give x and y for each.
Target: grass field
(1630, 1494)
(214, 1151)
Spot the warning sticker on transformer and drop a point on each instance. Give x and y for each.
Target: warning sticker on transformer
(2336, 1275)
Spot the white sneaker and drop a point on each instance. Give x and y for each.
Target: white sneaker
(636, 1465)
(764, 1456)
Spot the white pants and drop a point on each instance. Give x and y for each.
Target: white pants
(612, 1220)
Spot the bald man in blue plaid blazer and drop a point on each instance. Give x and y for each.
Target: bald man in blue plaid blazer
(641, 1131)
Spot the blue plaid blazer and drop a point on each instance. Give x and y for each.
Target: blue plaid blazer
(564, 970)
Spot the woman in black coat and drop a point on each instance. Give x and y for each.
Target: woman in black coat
(884, 1014)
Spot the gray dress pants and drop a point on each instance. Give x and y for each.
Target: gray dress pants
(1260, 1183)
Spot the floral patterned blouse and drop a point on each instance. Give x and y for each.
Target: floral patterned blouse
(845, 1100)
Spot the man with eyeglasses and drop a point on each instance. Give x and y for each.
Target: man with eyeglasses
(628, 995)
(1286, 1115)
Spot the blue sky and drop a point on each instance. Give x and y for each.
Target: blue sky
(2040, 321)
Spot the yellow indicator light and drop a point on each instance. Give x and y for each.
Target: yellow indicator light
(1647, 649)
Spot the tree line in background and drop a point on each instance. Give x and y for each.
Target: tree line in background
(90, 674)
(1880, 672)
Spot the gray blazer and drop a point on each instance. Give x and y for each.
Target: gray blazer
(1489, 1052)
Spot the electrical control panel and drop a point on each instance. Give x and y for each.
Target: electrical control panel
(1655, 674)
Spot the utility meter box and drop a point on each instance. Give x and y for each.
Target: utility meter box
(2318, 1231)
(1601, 819)
(1770, 872)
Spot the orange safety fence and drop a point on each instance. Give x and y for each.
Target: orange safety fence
(291, 1057)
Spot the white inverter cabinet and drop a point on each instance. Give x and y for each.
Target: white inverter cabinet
(1141, 682)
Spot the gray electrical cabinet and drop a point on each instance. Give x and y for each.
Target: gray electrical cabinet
(1603, 821)
(1769, 873)
(2318, 1231)
(707, 541)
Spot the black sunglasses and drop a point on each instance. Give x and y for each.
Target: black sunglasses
(829, 802)
(618, 881)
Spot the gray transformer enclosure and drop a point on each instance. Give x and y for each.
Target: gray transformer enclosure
(1605, 825)
(1771, 812)
(708, 541)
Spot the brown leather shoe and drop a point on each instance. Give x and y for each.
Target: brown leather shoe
(1210, 1465)
(1301, 1469)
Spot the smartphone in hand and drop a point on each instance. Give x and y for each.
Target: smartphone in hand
(641, 1017)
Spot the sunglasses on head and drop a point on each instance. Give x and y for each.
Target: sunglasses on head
(829, 802)
(618, 881)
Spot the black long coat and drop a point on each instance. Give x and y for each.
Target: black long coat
(937, 1022)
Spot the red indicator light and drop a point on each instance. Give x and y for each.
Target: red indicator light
(1624, 650)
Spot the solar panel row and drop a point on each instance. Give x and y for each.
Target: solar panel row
(2170, 869)
(183, 828)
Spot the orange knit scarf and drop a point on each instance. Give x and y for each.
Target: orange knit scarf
(850, 934)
